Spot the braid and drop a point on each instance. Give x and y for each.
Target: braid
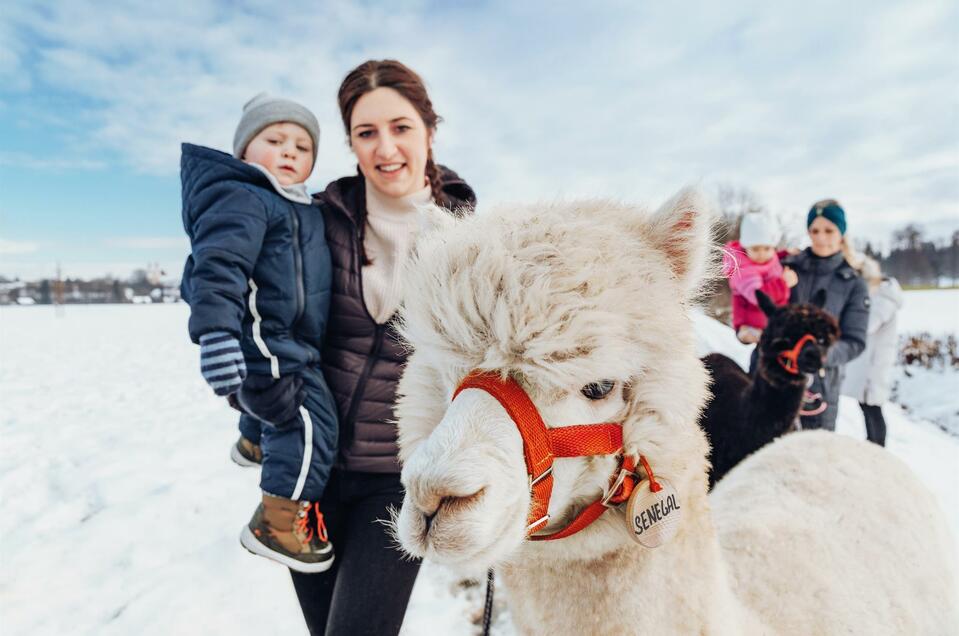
(436, 185)
(361, 219)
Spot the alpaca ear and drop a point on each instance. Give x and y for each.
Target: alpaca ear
(765, 303)
(819, 298)
(682, 229)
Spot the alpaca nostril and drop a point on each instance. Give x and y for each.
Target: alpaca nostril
(429, 514)
(428, 519)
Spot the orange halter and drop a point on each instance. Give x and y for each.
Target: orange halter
(789, 359)
(542, 445)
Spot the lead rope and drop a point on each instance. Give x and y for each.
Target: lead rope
(488, 609)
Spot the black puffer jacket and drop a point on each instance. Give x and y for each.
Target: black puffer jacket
(363, 360)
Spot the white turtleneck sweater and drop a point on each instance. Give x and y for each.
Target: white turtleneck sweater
(391, 228)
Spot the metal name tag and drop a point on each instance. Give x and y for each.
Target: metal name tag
(653, 517)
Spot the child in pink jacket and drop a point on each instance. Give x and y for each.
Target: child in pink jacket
(752, 264)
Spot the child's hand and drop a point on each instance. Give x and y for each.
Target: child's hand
(790, 277)
(748, 335)
(221, 362)
(276, 401)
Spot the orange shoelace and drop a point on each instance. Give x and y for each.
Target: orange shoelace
(306, 528)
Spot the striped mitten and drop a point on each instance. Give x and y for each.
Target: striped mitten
(221, 362)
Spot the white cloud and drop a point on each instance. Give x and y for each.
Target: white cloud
(13, 75)
(627, 99)
(23, 160)
(17, 247)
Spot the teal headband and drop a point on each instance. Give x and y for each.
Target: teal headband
(831, 210)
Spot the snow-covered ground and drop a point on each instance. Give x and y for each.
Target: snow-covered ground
(930, 394)
(122, 509)
(932, 310)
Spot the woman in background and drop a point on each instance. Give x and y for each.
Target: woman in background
(828, 264)
(868, 376)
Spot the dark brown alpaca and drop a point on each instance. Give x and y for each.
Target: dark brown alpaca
(746, 413)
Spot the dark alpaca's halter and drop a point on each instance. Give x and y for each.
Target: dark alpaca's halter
(789, 359)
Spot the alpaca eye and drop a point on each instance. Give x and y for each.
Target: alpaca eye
(598, 390)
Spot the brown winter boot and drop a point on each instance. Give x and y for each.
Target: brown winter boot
(289, 532)
(246, 453)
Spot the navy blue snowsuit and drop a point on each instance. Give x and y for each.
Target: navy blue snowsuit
(260, 270)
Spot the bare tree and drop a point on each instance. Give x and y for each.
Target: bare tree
(908, 238)
(954, 257)
(734, 202)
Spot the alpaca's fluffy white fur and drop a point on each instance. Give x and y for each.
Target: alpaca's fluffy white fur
(563, 295)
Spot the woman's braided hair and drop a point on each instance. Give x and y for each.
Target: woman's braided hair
(374, 74)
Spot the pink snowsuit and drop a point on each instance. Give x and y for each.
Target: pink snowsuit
(745, 278)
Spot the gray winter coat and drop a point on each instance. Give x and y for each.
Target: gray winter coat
(847, 299)
(868, 376)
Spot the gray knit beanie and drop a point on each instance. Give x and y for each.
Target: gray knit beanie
(264, 110)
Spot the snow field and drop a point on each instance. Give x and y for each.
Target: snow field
(123, 507)
(932, 310)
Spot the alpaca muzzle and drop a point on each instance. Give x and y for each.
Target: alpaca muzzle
(789, 359)
(542, 445)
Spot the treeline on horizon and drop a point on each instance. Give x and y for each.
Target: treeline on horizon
(143, 285)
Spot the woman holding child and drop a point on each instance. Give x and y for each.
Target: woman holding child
(293, 301)
(371, 223)
(828, 263)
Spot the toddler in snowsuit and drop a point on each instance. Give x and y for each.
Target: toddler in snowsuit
(752, 264)
(258, 284)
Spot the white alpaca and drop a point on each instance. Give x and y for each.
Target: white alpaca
(815, 534)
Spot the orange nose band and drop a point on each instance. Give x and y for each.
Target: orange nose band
(789, 359)
(542, 445)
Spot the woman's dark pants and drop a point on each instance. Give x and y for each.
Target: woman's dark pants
(875, 423)
(369, 586)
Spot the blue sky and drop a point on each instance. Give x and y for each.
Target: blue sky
(632, 100)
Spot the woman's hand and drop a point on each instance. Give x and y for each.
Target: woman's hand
(790, 277)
